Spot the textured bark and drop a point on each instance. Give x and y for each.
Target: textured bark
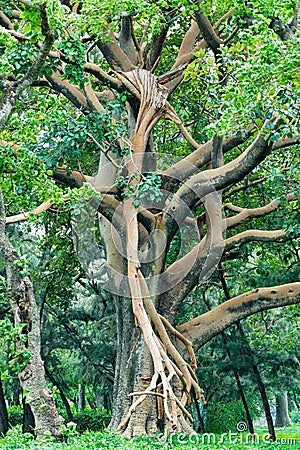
(282, 411)
(81, 396)
(23, 304)
(149, 367)
(127, 336)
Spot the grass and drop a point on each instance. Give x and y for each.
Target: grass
(287, 439)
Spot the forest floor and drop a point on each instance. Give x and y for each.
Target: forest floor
(287, 439)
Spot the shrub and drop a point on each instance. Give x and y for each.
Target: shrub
(224, 417)
(91, 419)
(295, 416)
(15, 415)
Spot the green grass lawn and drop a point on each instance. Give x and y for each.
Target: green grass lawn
(287, 439)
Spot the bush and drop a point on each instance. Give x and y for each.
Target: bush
(224, 417)
(91, 419)
(295, 416)
(15, 415)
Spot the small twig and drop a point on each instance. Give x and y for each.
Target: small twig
(104, 151)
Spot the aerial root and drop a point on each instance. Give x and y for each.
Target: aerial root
(168, 362)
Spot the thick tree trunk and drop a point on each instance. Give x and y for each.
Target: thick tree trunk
(282, 412)
(127, 336)
(3, 412)
(133, 373)
(143, 421)
(28, 343)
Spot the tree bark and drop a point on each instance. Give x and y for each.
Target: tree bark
(28, 343)
(282, 412)
(265, 402)
(3, 412)
(127, 336)
(81, 396)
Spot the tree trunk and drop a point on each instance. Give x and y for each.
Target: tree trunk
(265, 402)
(62, 394)
(28, 342)
(133, 372)
(260, 385)
(234, 370)
(127, 336)
(3, 412)
(17, 392)
(282, 412)
(81, 396)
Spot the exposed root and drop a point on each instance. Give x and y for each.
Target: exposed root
(132, 351)
(165, 369)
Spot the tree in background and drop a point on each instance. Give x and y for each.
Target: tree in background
(231, 75)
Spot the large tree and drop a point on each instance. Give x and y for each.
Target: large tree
(126, 75)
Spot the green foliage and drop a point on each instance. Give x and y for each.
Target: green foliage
(139, 188)
(27, 184)
(224, 416)
(15, 415)
(295, 416)
(66, 140)
(262, 78)
(91, 419)
(14, 440)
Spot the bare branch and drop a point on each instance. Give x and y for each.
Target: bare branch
(24, 216)
(71, 92)
(187, 45)
(255, 235)
(208, 31)
(92, 99)
(201, 156)
(205, 182)
(156, 47)
(187, 48)
(245, 213)
(102, 76)
(5, 22)
(114, 55)
(126, 40)
(203, 328)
